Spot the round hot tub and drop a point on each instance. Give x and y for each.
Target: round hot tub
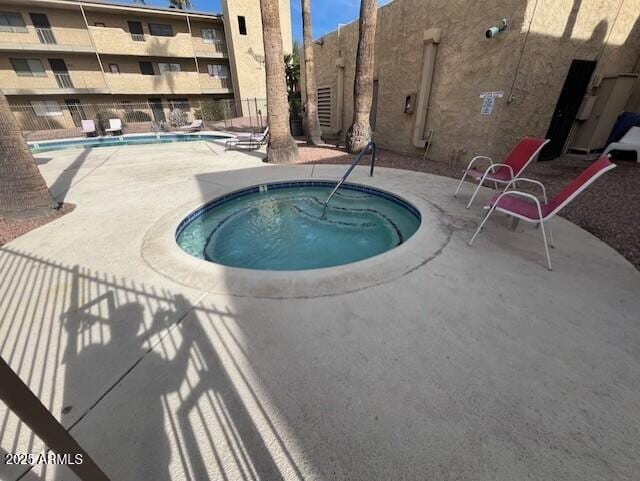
(286, 226)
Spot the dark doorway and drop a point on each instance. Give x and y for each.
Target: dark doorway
(76, 111)
(157, 109)
(43, 28)
(61, 73)
(575, 86)
(136, 31)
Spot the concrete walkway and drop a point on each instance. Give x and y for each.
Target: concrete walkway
(444, 363)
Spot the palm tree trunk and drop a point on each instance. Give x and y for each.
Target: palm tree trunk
(282, 148)
(23, 191)
(311, 123)
(359, 134)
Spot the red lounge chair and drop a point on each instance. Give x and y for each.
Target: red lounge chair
(514, 164)
(527, 207)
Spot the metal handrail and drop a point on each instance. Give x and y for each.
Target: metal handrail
(371, 145)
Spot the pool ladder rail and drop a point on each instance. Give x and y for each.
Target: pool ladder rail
(371, 146)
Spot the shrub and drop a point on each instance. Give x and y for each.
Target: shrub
(210, 111)
(136, 116)
(102, 120)
(178, 118)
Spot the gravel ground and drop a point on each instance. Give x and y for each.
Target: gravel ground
(609, 209)
(12, 228)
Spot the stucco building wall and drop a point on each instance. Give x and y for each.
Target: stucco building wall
(246, 52)
(528, 63)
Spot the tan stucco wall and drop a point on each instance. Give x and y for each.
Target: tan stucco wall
(83, 70)
(67, 26)
(467, 64)
(246, 52)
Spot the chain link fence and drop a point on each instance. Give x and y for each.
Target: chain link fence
(53, 119)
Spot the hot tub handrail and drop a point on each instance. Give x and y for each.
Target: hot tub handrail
(370, 146)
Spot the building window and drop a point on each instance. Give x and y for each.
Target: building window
(28, 67)
(99, 24)
(146, 68)
(211, 35)
(324, 106)
(46, 108)
(218, 70)
(114, 68)
(242, 25)
(169, 67)
(12, 22)
(161, 30)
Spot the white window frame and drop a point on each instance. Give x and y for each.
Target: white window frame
(38, 72)
(46, 108)
(170, 67)
(13, 27)
(216, 36)
(214, 70)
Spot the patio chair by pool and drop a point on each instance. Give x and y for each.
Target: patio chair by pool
(630, 142)
(115, 125)
(193, 126)
(251, 141)
(514, 164)
(88, 128)
(527, 207)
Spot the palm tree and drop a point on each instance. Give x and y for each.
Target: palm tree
(292, 71)
(23, 191)
(359, 134)
(310, 121)
(282, 148)
(181, 4)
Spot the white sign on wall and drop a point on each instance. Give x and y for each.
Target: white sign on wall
(488, 101)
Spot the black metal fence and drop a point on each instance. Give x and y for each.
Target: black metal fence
(59, 119)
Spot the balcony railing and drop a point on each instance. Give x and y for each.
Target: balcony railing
(138, 37)
(220, 46)
(64, 80)
(45, 35)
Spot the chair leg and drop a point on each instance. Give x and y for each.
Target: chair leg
(546, 247)
(464, 176)
(551, 241)
(475, 192)
(482, 225)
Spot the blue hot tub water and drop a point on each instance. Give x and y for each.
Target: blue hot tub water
(283, 226)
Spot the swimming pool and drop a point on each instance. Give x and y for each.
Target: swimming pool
(133, 139)
(284, 226)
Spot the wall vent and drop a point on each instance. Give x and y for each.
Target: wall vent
(324, 106)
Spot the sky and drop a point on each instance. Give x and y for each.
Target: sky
(325, 14)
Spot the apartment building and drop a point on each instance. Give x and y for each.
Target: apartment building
(58, 54)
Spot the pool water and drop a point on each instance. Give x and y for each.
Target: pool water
(92, 142)
(284, 226)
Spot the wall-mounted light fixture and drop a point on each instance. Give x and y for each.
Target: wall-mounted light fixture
(494, 31)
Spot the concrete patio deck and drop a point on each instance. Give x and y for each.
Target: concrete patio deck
(433, 361)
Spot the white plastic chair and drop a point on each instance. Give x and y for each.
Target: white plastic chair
(630, 142)
(115, 125)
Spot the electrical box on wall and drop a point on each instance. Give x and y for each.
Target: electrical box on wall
(410, 103)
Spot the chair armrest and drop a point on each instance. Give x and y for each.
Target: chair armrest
(476, 158)
(493, 166)
(518, 193)
(532, 181)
